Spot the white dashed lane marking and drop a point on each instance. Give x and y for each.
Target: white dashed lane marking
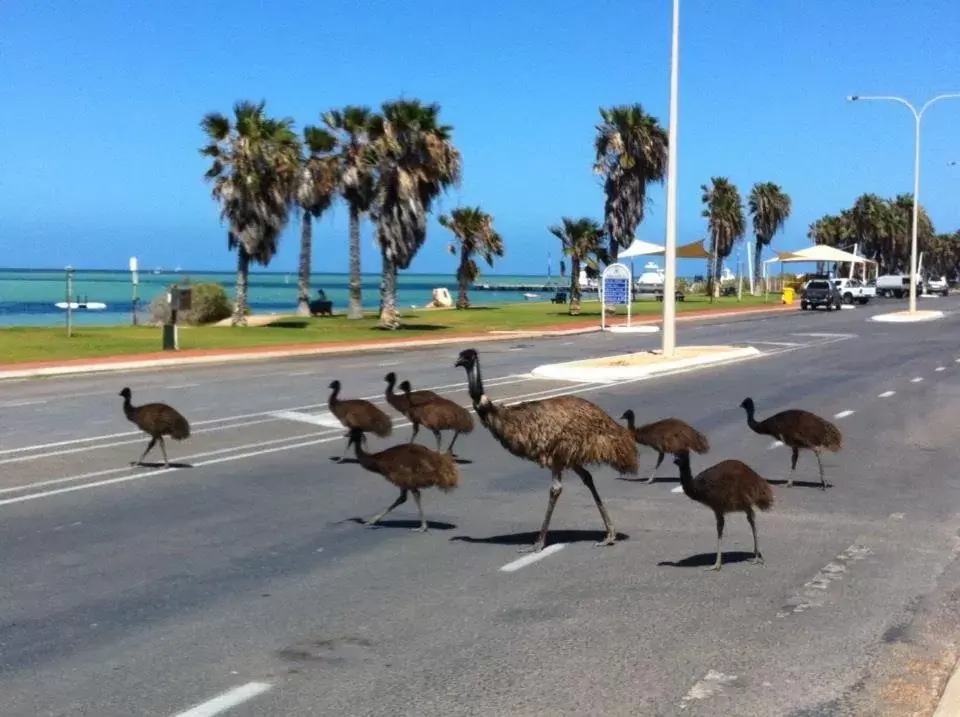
(532, 558)
(886, 394)
(843, 414)
(940, 368)
(918, 379)
(775, 444)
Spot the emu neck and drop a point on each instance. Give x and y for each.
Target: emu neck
(128, 410)
(475, 384)
(363, 458)
(751, 420)
(334, 394)
(686, 479)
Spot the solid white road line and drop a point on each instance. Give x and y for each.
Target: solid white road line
(886, 394)
(532, 558)
(918, 379)
(325, 419)
(227, 700)
(678, 489)
(181, 385)
(843, 414)
(17, 404)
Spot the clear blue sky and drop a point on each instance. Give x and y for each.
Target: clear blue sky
(101, 103)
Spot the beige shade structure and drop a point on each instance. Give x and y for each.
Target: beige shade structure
(819, 252)
(693, 250)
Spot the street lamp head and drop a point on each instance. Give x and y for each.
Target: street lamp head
(853, 98)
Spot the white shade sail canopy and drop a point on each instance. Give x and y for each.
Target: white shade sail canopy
(640, 248)
(818, 252)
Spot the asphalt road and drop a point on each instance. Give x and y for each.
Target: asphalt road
(146, 591)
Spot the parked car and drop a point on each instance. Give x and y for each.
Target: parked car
(854, 290)
(938, 286)
(820, 292)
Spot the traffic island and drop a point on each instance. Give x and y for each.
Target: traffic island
(643, 364)
(905, 317)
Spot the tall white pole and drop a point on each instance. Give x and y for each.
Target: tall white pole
(670, 253)
(916, 219)
(917, 115)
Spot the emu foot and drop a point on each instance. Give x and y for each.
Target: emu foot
(715, 566)
(422, 528)
(757, 560)
(610, 539)
(372, 523)
(535, 548)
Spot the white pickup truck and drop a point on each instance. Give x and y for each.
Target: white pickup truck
(854, 290)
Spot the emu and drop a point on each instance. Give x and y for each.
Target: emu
(559, 433)
(727, 487)
(437, 414)
(157, 420)
(409, 466)
(798, 429)
(358, 414)
(668, 435)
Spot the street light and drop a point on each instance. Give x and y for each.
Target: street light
(917, 115)
(670, 249)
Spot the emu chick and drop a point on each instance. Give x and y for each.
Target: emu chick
(437, 414)
(667, 435)
(358, 414)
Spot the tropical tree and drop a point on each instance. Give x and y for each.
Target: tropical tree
(631, 153)
(353, 128)
(475, 236)
(254, 170)
(316, 190)
(769, 208)
(416, 161)
(726, 223)
(582, 241)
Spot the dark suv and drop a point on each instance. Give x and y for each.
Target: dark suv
(820, 293)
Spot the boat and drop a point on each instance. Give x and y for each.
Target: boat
(529, 295)
(651, 279)
(82, 305)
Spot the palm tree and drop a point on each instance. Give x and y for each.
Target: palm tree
(416, 161)
(315, 193)
(725, 221)
(770, 208)
(582, 241)
(254, 171)
(631, 153)
(353, 127)
(474, 232)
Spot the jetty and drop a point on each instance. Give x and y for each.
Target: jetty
(541, 288)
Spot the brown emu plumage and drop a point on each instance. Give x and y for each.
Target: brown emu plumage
(358, 414)
(156, 420)
(667, 435)
(797, 429)
(727, 487)
(436, 414)
(399, 401)
(559, 433)
(409, 466)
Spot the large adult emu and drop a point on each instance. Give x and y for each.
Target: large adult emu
(559, 433)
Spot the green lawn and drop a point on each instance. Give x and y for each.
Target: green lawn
(20, 344)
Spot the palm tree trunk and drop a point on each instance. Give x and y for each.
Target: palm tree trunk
(388, 316)
(240, 305)
(463, 301)
(303, 287)
(715, 273)
(757, 273)
(355, 310)
(575, 287)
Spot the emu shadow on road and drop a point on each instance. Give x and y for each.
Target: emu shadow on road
(658, 479)
(401, 523)
(458, 461)
(702, 560)
(153, 464)
(554, 536)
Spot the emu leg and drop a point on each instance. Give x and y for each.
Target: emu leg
(436, 434)
(453, 440)
(343, 456)
(793, 466)
(163, 447)
(587, 479)
(823, 483)
(717, 565)
(556, 487)
(423, 521)
(416, 429)
(655, 469)
(150, 445)
(402, 499)
(757, 555)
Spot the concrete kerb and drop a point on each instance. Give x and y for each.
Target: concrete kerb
(618, 368)
(134, 364)
(905, 317)
(949, 704)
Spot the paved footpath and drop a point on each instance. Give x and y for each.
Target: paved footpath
(241, 581)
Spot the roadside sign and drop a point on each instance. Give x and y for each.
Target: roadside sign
(615, 290)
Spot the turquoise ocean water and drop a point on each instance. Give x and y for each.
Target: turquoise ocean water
(28, 297)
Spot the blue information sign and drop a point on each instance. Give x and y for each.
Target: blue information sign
(616, 291)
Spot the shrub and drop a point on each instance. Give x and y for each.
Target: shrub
(209, 305)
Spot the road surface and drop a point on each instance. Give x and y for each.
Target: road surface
(242, 582)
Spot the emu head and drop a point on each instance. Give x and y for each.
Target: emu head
(747, 405)
(467, 359)
(405, 386)
(629, 417)
(334, 385)
(125, 393)
(390, 378)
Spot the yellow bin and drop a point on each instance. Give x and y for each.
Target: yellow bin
(788, 295)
